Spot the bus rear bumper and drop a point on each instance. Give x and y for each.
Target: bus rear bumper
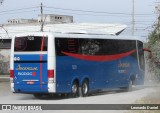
(36, 88)
(52, 87)
(12, 87)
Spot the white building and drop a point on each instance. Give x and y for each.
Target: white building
(47, 18)
(21, 21)
(55, 19)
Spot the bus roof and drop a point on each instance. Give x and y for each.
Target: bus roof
(75, 35)
(85, 28)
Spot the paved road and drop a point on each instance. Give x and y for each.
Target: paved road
(108, 97)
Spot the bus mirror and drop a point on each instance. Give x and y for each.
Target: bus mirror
(148, 50)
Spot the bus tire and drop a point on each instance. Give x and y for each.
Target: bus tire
(129, 88)
(85, 88)
(75, 87)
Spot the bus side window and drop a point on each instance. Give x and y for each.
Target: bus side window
(141, 55)
(90, 47)
(45, 46)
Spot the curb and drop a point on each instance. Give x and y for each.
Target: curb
(4, 79)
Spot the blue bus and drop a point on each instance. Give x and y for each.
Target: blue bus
(76, 64)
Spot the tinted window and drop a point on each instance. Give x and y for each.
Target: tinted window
(94, 46)
(30, 43)
(141, 55)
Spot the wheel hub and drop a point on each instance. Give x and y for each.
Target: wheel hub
(74, 89)
(85, 88)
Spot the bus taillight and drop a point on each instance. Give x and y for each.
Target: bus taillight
(50, 76)
(50, 73)
(11, 75)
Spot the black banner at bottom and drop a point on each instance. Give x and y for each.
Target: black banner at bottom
(25, 107)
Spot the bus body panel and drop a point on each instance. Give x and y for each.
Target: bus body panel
(31, 88)
(31, 71)
(109, 75)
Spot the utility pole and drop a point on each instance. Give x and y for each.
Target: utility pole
(133, 22)
(41, 17)
(158, 21)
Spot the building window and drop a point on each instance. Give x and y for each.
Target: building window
(5, 43)
(58, 17)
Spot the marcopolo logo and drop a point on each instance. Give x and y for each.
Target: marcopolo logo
(16, 58)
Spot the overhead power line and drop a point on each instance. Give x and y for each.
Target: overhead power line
(98, 12)
(92, 14)
(19, 12)
(75, 11)
(20, 9)
(86, 13)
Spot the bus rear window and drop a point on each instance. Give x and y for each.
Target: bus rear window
(30, 43)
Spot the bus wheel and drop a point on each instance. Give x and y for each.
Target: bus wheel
(85, 88)
(130, 85)
(75, 89)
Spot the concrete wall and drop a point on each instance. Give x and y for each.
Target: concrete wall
(4, 61)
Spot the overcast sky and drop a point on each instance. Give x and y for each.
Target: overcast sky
(97, 11)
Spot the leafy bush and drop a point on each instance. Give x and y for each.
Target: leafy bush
(154, 45)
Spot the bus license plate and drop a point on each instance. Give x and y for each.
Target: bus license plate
(30, 82)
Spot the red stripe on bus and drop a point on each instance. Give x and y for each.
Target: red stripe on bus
(42, 44)
(41, 72)
(99, 58)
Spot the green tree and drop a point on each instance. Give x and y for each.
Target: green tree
(154, 45)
